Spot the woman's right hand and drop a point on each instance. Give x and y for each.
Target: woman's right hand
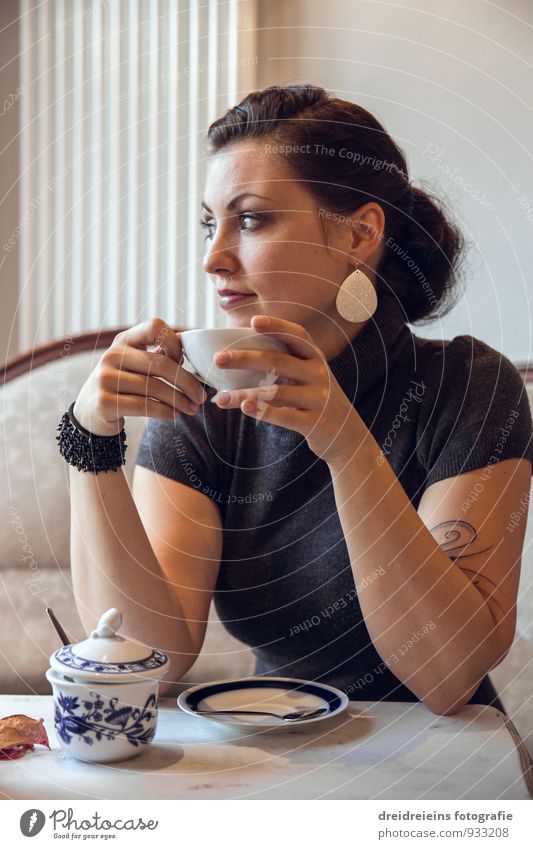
(126, 381)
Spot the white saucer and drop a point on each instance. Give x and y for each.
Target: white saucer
(277, 695)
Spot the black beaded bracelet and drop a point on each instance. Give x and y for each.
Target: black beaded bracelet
(89, 452)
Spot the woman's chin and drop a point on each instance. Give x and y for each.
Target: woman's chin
(239, 320)
(239, 317)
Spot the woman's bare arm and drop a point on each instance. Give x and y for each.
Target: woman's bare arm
(439, 623)
(113, 564)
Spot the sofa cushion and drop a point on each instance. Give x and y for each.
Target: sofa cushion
(35, 493)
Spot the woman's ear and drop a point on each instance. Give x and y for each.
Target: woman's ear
(369, 225)
(367, 230)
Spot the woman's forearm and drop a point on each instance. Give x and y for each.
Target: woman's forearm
(114, 565)
(431, 626)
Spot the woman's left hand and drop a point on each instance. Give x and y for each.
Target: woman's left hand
(312, 403)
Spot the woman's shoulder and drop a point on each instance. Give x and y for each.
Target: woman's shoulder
(468, 361)
(474, 398)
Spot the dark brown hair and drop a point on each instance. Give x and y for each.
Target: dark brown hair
(423, 247)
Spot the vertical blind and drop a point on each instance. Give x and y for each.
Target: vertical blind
(118, 98)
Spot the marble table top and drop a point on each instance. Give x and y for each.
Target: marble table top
(383, 750)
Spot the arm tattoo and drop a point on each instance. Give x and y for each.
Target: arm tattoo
(454, 537)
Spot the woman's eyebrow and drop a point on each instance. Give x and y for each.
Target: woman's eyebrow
(233, 203)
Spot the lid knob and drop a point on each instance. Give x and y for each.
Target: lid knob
(108, 624)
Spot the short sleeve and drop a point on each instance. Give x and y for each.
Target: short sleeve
(189, 449)
(475, 410)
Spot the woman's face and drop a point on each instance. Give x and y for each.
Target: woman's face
(271, 241)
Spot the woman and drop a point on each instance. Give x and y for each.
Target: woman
(350, 518)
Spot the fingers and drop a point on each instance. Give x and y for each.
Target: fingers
(153, 331)
(123, 382)
(296, 420)
(137, 405)
(293, 335)
(299, 397)
(285, 365)
(126, 383)
(162, 366)
(130, 359)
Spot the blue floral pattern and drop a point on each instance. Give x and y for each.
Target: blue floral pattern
(101, 719)
(67, 657)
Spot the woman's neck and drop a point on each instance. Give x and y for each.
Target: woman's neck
(331, 334)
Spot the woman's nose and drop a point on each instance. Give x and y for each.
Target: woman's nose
(220, 255)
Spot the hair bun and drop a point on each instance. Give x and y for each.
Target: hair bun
(433, 249)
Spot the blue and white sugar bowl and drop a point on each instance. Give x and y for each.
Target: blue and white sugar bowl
(106, 693)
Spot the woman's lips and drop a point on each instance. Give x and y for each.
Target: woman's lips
(232, 300)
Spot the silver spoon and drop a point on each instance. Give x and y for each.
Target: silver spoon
(293, 716)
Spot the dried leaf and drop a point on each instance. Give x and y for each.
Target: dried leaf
(19, 734)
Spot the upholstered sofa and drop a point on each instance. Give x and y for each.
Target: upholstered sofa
(34, 537)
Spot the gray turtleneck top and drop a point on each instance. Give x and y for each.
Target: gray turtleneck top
(285, 587)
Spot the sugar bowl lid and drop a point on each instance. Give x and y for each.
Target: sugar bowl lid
(108, 657)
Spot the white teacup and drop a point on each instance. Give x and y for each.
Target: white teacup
(201, 345)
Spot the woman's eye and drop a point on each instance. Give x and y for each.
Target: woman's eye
(250, 217)
(207, 225)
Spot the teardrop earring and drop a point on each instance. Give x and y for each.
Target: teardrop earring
(356, 299)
